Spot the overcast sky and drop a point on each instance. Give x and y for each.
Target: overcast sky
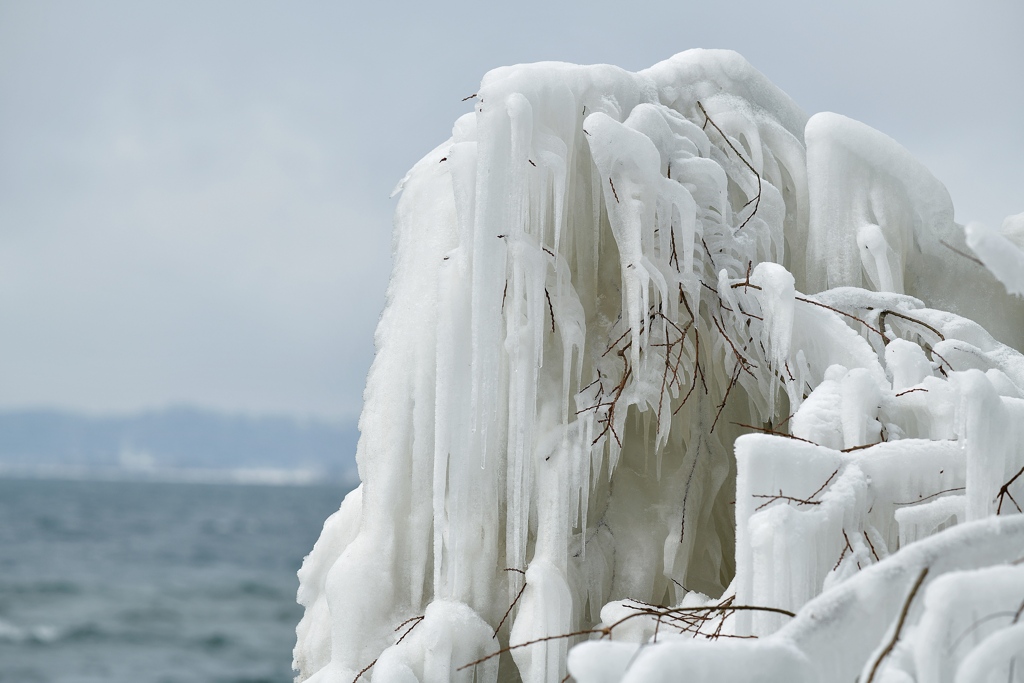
(194, 195)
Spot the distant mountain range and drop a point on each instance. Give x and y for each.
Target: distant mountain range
(177, 443)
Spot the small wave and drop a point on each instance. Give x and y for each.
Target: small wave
(214, 642)
(234, 590)
(42, 634)
(45, 635)
(95, 633)
(88, 631)
(261, 590)
(41, 588)
(140, 617)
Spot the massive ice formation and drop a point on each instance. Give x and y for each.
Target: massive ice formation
(663, 364)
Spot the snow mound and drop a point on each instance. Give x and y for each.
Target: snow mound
(671, 378)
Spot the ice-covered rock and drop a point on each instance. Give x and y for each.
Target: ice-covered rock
(671, 378)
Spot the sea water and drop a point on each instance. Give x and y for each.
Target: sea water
(140, 582)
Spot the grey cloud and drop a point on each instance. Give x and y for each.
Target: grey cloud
(193, 196)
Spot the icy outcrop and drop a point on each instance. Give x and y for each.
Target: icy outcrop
(1003, 254)
(964, 611)
(664, 360)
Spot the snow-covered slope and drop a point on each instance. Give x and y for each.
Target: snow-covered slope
(665, 362)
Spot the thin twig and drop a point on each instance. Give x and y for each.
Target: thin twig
(503, 650)
(848, 315)
(551, 309)
(823, 486)
(948, 364)
(921, 500)
(744, 363)
(509, 610)
(843, 554)
(781, 496)
(809, 500)
(641, 610)
(416, 622)
(672, 243)
(707, 120)
(616, 342)
(369, 666)
(975, 625)
(711, 258)
(774, 433)
(851, 449)
(881, 323)
(899, 625)
(867, 538)
(696, 341)
(805, 300)
(728, 608)
(725, 399)
(1004, 490)
(967, 256)
(407, 621)
(364, 670)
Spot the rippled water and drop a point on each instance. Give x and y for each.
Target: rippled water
(152, 582)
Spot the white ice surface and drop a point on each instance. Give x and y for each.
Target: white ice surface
(662, 362)
(999, 253)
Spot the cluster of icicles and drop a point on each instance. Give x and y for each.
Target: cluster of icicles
(675, 383)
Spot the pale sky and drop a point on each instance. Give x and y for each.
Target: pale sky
(194, 195)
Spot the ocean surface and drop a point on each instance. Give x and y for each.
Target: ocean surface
(152, 582)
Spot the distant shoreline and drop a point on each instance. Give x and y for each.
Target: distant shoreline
(236, 476)
(181, 444)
